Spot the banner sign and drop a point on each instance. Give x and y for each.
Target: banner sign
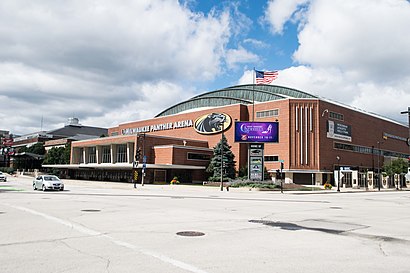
(339, 131)
(255, 161)
(256, 131)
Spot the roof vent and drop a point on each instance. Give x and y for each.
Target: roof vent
(73, 121)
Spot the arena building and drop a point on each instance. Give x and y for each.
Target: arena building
(318, 139)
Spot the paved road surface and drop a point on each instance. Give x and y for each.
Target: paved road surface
(108, 227)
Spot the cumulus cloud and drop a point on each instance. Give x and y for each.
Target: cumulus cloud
(238, 56)
(154, 98)
(355, 52)
(85, 58)
(279, 12)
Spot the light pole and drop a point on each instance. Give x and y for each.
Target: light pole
(222, 155)
(378, 163)
(407, 112)
(338, 174)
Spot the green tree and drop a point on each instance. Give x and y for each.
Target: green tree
(396, 166)
(215, 165)
(58, 155)
(37, 149)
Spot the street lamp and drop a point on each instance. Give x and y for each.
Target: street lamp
(222, 155)
(338, 174)
(407, 112)
(378, 163)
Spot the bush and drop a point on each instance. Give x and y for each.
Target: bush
(8, 170)
(253, 184)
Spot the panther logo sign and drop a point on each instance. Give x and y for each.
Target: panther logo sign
(212, 123)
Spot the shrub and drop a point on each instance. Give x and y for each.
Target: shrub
(174, 180)
(327, 186)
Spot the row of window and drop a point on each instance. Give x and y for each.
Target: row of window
(268, 113)
(337, 116)
(122, 155)
(368, 150)
(207, 157)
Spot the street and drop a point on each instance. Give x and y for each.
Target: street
(112, 227)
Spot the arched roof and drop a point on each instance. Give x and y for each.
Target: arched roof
(244, 94)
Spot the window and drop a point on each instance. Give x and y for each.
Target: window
(92, 158)
(367, 150)
(81, 156)
(268, 113)
(194, 156)
(122, 153)
(271, 158)
(106, 154)
(337, 116)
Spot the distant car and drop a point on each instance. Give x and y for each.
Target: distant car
(48, 182)
(3, 177)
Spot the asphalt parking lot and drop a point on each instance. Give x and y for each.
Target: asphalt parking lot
(110, 227)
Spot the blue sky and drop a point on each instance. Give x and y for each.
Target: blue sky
(274, 50)
(108, 62)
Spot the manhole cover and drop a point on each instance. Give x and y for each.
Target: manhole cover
(335, 207)
(190, 233)
(1, 212)
(91, 210)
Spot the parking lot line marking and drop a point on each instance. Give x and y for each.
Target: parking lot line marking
(91, 232)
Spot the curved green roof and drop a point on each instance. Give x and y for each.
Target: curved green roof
(244, 94)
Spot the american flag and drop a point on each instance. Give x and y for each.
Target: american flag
(265, 77)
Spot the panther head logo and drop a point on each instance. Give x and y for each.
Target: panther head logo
(212, 123)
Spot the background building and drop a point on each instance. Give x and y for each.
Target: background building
(72, 131)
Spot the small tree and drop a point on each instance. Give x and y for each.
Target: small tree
(58, 155)
(215, 165)
(396, 166)
(37, 149)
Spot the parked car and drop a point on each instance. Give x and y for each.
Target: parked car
(3, 177)
(48, 182)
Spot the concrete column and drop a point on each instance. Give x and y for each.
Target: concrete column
(370, 180)
(355, 179)
(319, 179)
(130, 152)
(84, 156)
(98, 154)
(113, 153)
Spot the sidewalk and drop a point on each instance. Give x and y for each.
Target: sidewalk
(183, 187)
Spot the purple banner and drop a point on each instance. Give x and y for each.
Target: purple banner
(256, 131)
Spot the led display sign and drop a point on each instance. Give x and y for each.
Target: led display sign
(256, 131)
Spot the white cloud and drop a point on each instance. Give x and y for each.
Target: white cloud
(279, 12)
(238, 56)
(153, 98)
(84, 58)
(367, 37)
(354, 52)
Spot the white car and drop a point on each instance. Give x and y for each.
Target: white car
(3, 177)
(48, 182)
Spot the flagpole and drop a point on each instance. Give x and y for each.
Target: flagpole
(253, 93)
